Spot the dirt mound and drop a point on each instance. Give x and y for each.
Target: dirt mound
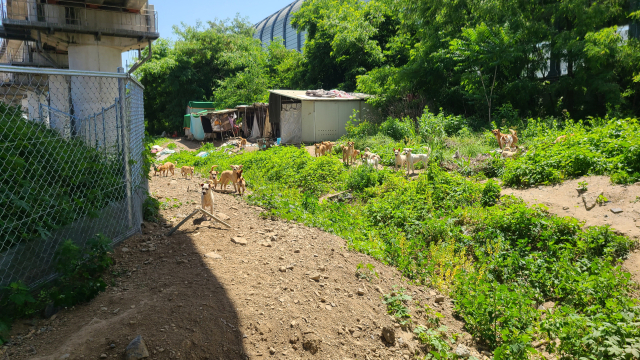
(291, 292)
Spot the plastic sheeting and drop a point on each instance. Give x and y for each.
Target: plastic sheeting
(255, 131)
(196, 128)
(291, 123)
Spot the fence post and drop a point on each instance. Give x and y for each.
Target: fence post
(124, 121)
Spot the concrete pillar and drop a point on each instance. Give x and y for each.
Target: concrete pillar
(91, 94)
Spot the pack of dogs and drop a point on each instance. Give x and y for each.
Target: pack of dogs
(324, 148)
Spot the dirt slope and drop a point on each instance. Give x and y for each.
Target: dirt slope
(245, 302)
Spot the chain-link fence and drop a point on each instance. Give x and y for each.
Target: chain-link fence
(71, 164)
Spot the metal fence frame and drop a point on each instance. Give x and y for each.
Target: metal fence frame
(31, 261)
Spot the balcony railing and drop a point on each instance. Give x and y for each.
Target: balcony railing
(80, 17)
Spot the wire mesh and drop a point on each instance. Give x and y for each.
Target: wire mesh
(70, 165)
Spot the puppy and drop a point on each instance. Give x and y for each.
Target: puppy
(509, 153)
(165, 168)
(213, 176)
(401, 159)
(320, 149)
(347, 152)
(506, 140)
(416, 158)
(354, 155)
(230, 176)
(156, 170)
(186, 171)
(207, 197)
(371, 159)
(241, 184)
(243, 143)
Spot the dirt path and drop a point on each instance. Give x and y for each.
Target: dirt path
(198, 295)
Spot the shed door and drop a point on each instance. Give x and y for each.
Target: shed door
(327, 114)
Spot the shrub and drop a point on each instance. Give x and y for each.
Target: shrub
(490, 193)
(362, 177)
(432, 126)
(150, 209)
(397, 129)
(42, 170)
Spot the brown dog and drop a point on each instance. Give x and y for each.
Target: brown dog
(230, 176)
(506, 140)
(186, 171)
(347, 152)
(354, 155)
(328, 146)
(213, 176)
(320, 149)
(165, 168)
(561, 138)
(243, 143)
(241, 184)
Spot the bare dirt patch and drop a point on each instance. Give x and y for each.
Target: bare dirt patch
(198, 295)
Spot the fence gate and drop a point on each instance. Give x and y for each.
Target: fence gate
(70, 164)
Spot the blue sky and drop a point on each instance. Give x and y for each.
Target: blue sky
(173, 12)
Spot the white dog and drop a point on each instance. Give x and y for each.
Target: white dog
(370, 159)
(207, 196)
(416, 158)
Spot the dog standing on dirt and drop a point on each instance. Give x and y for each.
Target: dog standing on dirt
(505, 140)
(186, 171)
(328, 146)
(412, 159)
(320, 149)
(347, 152)
(241, 184)
(401, 159)
(213, 176)
(165, 168)
(206, 199)
(230, 176)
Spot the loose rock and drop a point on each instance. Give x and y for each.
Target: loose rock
(462, 351)
(213, 255)
(439, 299)
(316, 277)
(616, 210)
(136, 349)
(239, 240)
(312, 344)
(389, 334)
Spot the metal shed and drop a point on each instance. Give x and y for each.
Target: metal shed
(307, 119)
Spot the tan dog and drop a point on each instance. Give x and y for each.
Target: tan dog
(354, 155)
(401, 159)
(416, 158)
(510, 152)
(328, 146)
(156, 170)
(165, 168)
(241, 184)
(506, 140)
(347, 152)
(562, 138)
(207, 196)
(187, 170)
(213, 176)
(320, 149)
(230, 176)
(243, 143)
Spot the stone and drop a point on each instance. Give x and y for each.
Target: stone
(213, 255)
(297, 251)
(565, 208)
(136, 349)
(312, 344)
(616, 210)
(223, 217)
(266, 244)
(379, 289)
(549, 305)
(439, 299)
(103, 356)
(360, 292)
(315, 277)
(282, 269)
(462, 351)
(65, 356)
(389, 334)
(290, 267)
(542, 308)
(328, 307)
(238, 240)
(356, 334)
(589, 200)
(272, 351)
(124, 249)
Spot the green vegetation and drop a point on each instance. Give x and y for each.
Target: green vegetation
(45, 171)
(80, 280)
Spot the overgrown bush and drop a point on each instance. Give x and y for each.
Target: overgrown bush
(42, 170)
(397, 129)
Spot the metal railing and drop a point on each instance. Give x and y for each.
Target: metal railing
(79, 16)
(71, 147)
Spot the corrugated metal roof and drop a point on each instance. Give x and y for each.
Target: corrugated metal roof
(301, 95)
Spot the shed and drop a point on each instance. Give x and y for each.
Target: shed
(301, 118)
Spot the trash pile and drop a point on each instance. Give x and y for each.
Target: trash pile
(330, 94)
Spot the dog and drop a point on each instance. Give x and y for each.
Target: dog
(354, 155)
(243, 143)
(506, 140)
(370, 159)
(241, 184)
(213, 176)
(347, 152)
(561, 138)
(320, 149)
(401, 159)
(156, 170)
(230, 176)
(165, 168)
(187, 170)
(416, 158)
(510, 153)
(206, 199)
(328, 146)
(457, 154)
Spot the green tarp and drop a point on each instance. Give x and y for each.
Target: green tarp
(187, 121)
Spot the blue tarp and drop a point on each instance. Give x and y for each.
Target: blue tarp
(196, 128)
